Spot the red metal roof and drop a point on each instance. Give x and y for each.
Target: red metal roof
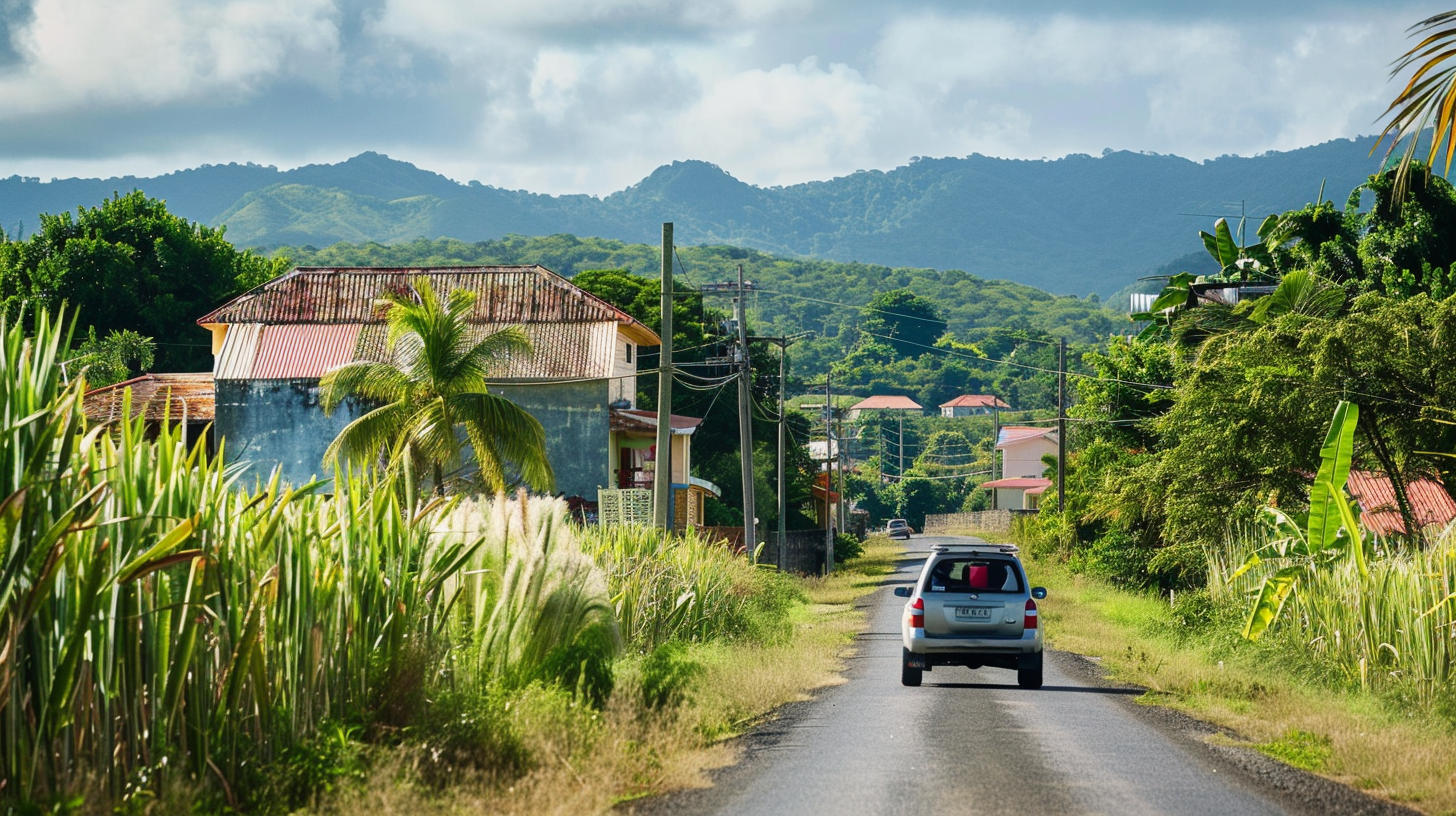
(504, 295)
(173, 395)
(975, 401)
(633, 420)
(303, 351)
(886, 403)
(1020, 433)
(1020, 483)
(1430, 503)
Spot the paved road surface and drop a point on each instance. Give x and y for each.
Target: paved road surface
(972, 742)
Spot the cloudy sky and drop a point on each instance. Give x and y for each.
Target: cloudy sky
(570, 96)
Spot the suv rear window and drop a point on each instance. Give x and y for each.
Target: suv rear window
(973, 574)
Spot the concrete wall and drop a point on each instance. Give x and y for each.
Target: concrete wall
(577, 422)
(270, 423)
(1022, 458)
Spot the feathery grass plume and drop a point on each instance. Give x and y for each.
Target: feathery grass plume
(529, 605)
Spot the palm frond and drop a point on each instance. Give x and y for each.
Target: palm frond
(474, 367)
(367, 380)
(504, 436)
(1428, 99)
(362, 440)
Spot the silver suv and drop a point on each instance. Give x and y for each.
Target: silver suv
(972, 606)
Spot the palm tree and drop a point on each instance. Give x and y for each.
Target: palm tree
(1429, 98)
(434, 386)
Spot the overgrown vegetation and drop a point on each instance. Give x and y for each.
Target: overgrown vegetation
(172, 634)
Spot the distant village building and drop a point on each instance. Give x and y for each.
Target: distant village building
(1431, 506)
(272, 344)
(1021, 484)
(973, 405)
(882, 403)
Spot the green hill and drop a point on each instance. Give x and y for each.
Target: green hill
(1074, 225)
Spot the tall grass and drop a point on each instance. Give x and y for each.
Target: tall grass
(161, 622)
(1394, 625)
(686, 587)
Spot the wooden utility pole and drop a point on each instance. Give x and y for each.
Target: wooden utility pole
(662, 510)
(839, 460)
(745, 421)
(783, 342)
(828, 473)
(1062, 426)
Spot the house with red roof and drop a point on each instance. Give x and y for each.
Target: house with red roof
(1431, 506)
(1021, 449)
(973, 405)
(272, 344)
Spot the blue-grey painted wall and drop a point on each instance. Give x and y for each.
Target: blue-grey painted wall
(577, 420)
(272, 423)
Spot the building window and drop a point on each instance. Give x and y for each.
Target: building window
(629, 352)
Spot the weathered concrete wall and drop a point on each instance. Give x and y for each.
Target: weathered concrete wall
(271, 423)
(577, 422)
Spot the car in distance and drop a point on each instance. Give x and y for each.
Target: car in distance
(972, 606)
(898, 528)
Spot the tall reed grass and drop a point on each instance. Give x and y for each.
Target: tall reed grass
(1395, 625)
(163, 622)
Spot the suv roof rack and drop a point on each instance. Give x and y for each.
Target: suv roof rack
(1009, 549)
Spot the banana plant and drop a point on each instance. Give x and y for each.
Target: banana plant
(1240, 263)
(1331, 533)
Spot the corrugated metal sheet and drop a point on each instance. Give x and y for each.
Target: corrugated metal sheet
(559, 350)
(1430, 503)
(173, 396)
(885, 402)
(239, 347)
(297, 351)
(504, 295)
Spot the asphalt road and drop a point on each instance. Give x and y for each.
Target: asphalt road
(972, 742)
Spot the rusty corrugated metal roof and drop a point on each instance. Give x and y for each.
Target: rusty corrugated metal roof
(559, 350)
(302, 351)
(1379, 512)
(504, 295)
(158, 395)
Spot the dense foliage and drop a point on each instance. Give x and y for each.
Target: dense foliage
(131, 265)
(1186, 435)
(168, 631)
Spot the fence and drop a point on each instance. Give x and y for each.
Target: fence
(992, 521)
(803, 551)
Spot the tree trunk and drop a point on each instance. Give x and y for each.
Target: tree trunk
(439, 474)
(1397, 480)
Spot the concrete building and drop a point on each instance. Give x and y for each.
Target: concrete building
(1021, 484)
(973, 405)
(272, 344)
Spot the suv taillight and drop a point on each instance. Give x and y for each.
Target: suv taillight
(1030, 614)
(917, 614)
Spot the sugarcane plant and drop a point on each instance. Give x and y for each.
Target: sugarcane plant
(1331, 531)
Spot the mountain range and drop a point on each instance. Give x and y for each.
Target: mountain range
(1074, 225)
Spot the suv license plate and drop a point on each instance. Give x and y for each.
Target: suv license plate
(973, 612)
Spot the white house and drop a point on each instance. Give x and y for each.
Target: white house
(1022, 484)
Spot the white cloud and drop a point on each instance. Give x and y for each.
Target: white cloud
(149, 52)
(591, 95)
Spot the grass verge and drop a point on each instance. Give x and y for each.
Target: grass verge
(589, 761)
(1190, 658)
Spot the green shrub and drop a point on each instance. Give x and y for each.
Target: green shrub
(846, 547)
(667, 676)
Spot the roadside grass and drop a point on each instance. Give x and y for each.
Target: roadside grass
(1189, 656)
(592, 761)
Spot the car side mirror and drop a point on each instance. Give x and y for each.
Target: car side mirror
(904, 592)
(1038, 593)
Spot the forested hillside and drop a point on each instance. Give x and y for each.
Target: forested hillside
(793, 294)
(1075, 225)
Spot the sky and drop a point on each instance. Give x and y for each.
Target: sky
(590, 96)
